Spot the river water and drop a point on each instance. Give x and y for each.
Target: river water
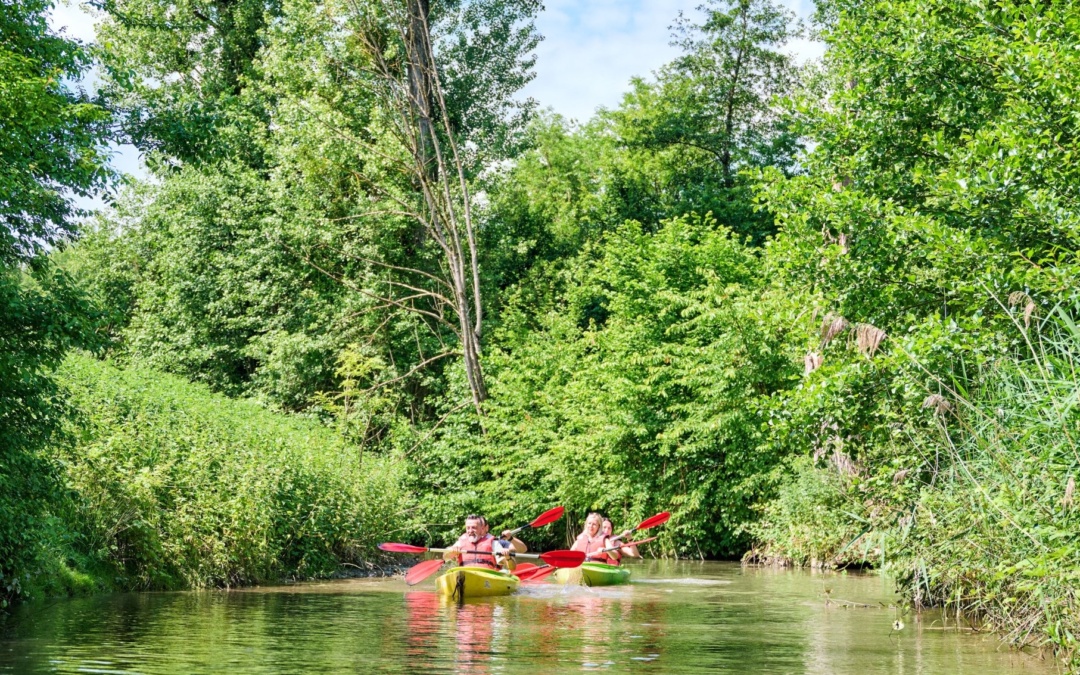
(677, 617)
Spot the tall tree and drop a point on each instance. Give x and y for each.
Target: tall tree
(51, 149)
(437, 81)
(180, 75)
(716, 108)
(729, 78)
(51, 136)
(321, 191)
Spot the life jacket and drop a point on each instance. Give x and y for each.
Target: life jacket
(479, 554)
(592, 547)
(605, 556)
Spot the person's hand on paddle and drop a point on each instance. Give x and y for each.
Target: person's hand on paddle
(515, 543)
(451, 554)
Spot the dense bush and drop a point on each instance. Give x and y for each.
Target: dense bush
(172, 486)
(641, 382)
(51, 149)
(810, 521)
(937, 221)
(41, 316)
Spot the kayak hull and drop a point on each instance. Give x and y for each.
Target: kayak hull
(476, 582)
(594, 574)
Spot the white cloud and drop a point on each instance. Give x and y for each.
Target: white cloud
(70, 19)
(592, 48)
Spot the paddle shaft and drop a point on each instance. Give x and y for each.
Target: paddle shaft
(512, 554)
(629, 543)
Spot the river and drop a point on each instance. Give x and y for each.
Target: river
(677, 617)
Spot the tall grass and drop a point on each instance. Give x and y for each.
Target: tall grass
(988, 525)
(996, 534)
(171, 486)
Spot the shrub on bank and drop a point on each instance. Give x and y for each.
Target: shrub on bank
(990, 528)
(811, 522)
(171, 486)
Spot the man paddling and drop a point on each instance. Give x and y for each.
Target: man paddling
(478, 548)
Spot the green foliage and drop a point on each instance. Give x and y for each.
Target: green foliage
(643, 386)
(170, 486)
(180, 76)
(265, 251)
(51, 138)
(994, 533)
(936, 223)
(42, 316)
(51, 149)
(812, 521)
(676, 145)
(712, 113)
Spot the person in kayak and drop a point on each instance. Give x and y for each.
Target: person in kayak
(591, 539)
(614, 557)
(478, 548)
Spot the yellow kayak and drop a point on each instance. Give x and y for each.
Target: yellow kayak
(476, 582)
(593, 574)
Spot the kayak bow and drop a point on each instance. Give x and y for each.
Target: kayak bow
(460, 583)
(594, 574)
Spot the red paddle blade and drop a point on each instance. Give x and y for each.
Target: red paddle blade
(538, 574)
(548, 517)
(418, 573)
(563, 558)
(402, 548)
(658, 519)
(524, 568)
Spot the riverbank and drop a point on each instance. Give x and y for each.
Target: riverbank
(985, 525)
(162, 484)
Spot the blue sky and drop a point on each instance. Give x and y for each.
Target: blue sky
(590, 51)
(592, 48)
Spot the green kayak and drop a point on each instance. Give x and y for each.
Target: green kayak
(594, 574)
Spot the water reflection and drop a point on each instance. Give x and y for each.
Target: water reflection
(678, 617)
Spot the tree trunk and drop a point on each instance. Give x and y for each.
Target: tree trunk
(420, 69)
(729, 116)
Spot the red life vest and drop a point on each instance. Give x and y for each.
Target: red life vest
(479, 554)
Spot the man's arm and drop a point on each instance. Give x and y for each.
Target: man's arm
(515, 543)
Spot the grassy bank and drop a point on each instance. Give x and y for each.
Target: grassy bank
(166, 485)
(987, 527)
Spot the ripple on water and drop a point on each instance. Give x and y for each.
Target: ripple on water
(686, 581)
(671, 619)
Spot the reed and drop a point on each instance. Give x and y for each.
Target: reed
(995, 534)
